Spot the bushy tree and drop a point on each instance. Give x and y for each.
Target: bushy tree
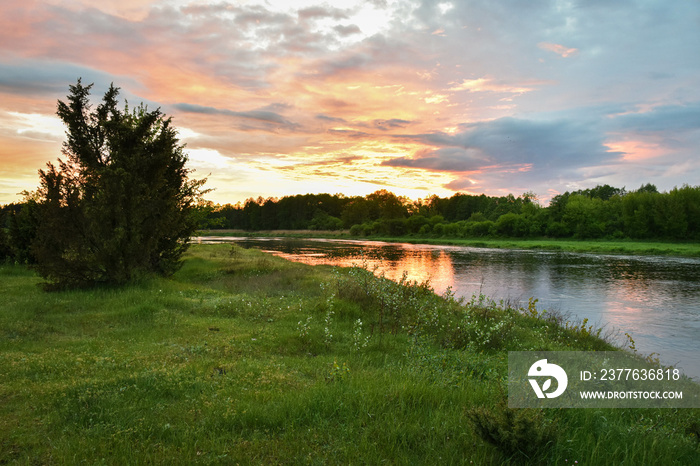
(121, 203)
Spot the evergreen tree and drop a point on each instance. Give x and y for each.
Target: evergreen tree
(121, 203)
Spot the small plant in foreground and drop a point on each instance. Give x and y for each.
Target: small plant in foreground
(586, 331)
(358, 342)
(531, 310)
(326, 289)
(303, 328)
(516, 433)
(652, 358)
(483, 329)
(338, 372)
(328, 322)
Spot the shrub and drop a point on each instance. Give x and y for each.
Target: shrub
(517, 433)
(479, 228)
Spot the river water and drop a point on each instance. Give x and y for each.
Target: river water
(654, 299)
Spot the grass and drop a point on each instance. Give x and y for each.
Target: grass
(603, 246)
(274, 233)
(631, 247)
(243, 357)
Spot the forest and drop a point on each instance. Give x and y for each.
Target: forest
(603, 212)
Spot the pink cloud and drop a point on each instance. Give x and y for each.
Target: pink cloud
(560, 50)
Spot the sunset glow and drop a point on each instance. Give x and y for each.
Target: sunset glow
(274, 98)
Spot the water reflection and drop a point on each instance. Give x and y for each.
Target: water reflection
(420, 264)
(655, 299)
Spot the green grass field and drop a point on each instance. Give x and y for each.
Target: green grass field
(243, 357)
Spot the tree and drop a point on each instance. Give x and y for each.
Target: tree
(22, 226)
(584, 216)
(122, 203)
(387, 204)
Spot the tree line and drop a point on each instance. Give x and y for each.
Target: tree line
(603, 212)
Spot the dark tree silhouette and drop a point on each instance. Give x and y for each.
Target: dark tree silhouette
(121, 203)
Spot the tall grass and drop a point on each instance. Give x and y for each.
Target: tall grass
(229, 361)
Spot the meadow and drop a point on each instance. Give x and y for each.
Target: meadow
(242, 357)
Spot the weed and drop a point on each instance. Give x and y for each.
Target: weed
(359, 341)
(692, 429)
(585, 330)
(652, 358)
(531, 310)
(235, 252)
(517, 433)
(303, 329)
(327, 331)
(337, 372)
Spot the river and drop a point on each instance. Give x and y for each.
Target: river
(654, 299)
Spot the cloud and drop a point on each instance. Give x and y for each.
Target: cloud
(559, 49)
(510, 150)
(330, 119)
(378, 52)
(265, 116)
(349, 133)
(46, 77)
(316, 12)
(505, 95)
(449, 159)
(487, 85)
(393, 123)
(546, 143)
(349, 30)
(341, 160)
(667, 118)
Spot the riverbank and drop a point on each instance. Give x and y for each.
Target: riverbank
(624, 247)
(647, 248)
(245, 357)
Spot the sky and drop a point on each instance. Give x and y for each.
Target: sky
(277, 97)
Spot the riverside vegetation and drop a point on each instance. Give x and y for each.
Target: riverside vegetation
(600, 220)
(243, 357)
(603, 212)
(603, 219)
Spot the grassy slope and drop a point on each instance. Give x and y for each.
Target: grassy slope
(213, 366)
(686, 249)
